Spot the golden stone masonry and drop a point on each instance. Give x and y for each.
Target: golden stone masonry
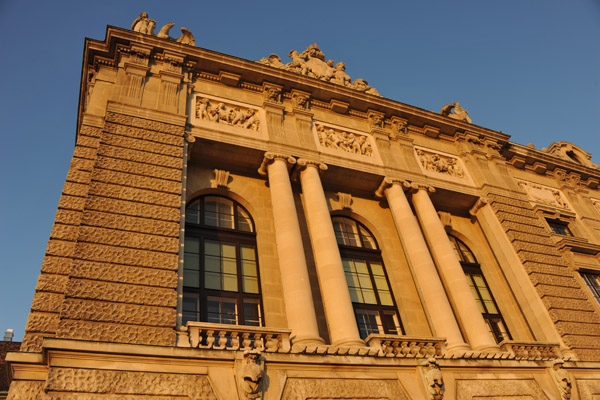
(235, 229)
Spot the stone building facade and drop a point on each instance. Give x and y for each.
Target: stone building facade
(233, 229)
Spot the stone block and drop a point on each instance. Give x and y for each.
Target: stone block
(112, 237)
(56, 265)
(541, 258)
(48, 302)
(567, 304)
(134, 194)
(523, 210)
(124, 274)
(85, 152)
(577, 316)
(103, 311)
(552, 269)
(144, 123)
(67, 202)
(32, 341)
(133, 167)
(60, 248)
(584, 341)
(119, 255)
(82, 164)
(87, 141)
(42, 322)
(145, 134)
(87, 130)
(67, 217)
(138, 181)
(558, 291)
(555, 280)
(120, 333)
(64, 232)
(142, 145)
(141, 156)
(78, 176)
(511, 201)
(75, 189)
(24, 390)
(578, 328)
(520, 219)
(121, 293)
(133, 224)
(533, 230)
(529, 238)
(534, 247)
(134, 208)
(52, 283)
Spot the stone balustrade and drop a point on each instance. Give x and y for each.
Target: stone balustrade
(532, 350)
(204, 335)
(407, 346)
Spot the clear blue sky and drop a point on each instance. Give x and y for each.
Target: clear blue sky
(528, 68)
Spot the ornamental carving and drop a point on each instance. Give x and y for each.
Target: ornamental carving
(251, 376)
(145, 25)
(343, 388)
(441, 164)
(596, 203)
(455, 111)
(434, 382)
(569, 152)
(544, 195)
(561, 379)
(311, 62)
(219, 112)
(346, 141)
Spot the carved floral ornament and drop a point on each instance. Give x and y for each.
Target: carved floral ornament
(208, 109)
(341, 140)
(311, 62)
(440, 163)
(544, 195)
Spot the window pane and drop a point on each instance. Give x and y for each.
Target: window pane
(212, 248)
(230, 283)
(248, 268)
(250, 284)
(229, 266)
(211, 219)
(356, 295)
(221, 310)
(368, 240)
(228, 250)
(211, 204)
(244, 222)
(368, 322)
(361, 267)
(381, 283)
(192, 245)
(369, 296)
(191, 215)
(593, 282)
(212, 263)
(190, 308)
(212, 281)
(191, 278)
(475, 294)
(226, 221)
(391, 325)
(248, 252)
(386, 298)
(377, 269)
(252, 312)
(352, 280)
(191, 261)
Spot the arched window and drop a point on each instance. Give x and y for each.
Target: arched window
(372, 298)
(481, 291)
(220, 271)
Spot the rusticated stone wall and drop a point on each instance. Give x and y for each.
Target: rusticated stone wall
(554, 281)
(110, 271)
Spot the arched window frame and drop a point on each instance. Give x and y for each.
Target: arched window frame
(356, 245)
(210, 228)
(480, 290)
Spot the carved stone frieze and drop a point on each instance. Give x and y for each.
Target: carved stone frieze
(571, 179)
(499, 389)
(544, 195)
(440, 163)
(376, 120)
(349, 142)
(272, 94)
(399, 128)
(311, 62)
(208, 109)
(300, 101)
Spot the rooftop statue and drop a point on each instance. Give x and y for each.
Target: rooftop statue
(311, 62)
(455, 111)
(146, 26)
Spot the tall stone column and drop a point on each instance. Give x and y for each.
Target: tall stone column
(432, 291)
(452, 273)
(299, 306)
(339, 312)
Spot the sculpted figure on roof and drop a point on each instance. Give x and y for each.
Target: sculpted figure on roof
(455, 111)
(311, 62)
(145, 25)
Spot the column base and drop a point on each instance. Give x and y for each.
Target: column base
(349, 342)
(307, 340)
(457, 347)
(487, 349)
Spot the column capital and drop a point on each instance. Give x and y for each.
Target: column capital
(387, 182)
(415, 187)
(303, 163)
(270, 157)
(479, 204)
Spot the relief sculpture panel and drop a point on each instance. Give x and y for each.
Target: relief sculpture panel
(350, 142)
(544, 195)
(440, 163)
(330, 389)
(214, 110)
